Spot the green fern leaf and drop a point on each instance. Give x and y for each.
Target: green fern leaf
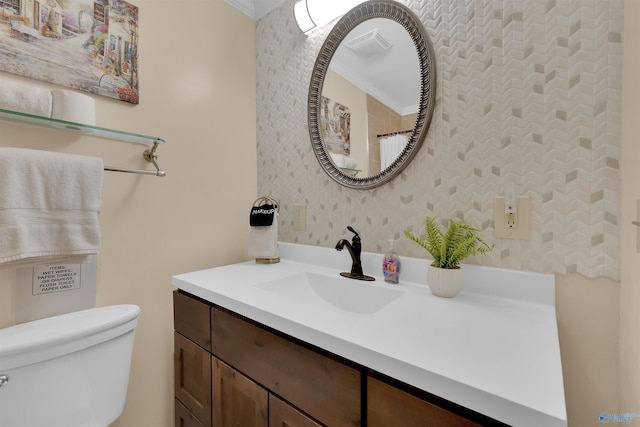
(450, 248)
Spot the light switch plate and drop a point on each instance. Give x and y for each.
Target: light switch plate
(521, 229)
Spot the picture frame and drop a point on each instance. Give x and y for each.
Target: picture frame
(87, 45)
(336, 126)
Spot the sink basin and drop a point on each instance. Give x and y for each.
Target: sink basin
(346, 294)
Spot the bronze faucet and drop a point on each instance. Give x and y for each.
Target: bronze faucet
(354, 248)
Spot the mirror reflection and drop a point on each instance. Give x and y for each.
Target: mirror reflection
(364, 88)
(370, 98)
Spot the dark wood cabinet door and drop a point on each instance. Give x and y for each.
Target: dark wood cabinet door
(281, 414)
(192, 372)
(388, 406)
(237, 400)
(184, 418)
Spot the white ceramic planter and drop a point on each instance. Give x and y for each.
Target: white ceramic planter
(445, 282)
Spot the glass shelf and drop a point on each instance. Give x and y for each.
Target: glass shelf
(63, 125)
(350, 171)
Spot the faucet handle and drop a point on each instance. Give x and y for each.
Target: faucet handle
(356, 237)
(353, 230)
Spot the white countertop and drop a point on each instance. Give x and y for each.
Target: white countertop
(493, 348)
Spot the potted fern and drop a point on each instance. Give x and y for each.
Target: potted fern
(448, 249)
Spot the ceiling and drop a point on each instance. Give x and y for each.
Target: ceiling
(392, 74)
(255, 9)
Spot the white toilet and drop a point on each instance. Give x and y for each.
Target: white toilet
(67, 371)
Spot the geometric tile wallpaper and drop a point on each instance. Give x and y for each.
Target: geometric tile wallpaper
(528, 93)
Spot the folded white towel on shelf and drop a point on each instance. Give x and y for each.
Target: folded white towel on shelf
(350, 162)
(338, 159)
(49, 205)
(342, 161)
(73, 107)
(25, 99)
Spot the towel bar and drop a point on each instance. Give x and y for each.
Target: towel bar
(394, 133)
(150, 156)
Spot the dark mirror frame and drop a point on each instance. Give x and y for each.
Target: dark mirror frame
(426, 57)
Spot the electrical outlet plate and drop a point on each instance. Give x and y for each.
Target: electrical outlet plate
(501, 227)
(299, 217)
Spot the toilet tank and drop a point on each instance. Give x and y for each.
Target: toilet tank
(67, 371)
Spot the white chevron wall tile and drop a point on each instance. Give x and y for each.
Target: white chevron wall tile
(528, 91)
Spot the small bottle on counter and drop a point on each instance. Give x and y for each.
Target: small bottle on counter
(391, 265)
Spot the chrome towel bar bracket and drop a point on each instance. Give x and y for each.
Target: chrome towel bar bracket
(150, 155)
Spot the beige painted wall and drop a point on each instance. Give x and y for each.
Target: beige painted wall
(197, 78)
(588, 321)
(630, 261)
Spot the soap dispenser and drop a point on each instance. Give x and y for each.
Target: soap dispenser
(391, 265)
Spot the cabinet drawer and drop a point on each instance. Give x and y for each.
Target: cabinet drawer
(192, 378)
(184, 418)
(388, 406)
(281, 414)
(320, 386)
(191, 317)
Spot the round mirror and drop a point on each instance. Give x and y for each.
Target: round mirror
(372, 94)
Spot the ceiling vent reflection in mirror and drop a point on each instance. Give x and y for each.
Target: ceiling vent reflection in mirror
(369, 44)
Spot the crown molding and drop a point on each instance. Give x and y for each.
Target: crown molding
(255, 9)
(245, 6)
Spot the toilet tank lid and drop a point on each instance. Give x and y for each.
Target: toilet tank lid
(65, 328)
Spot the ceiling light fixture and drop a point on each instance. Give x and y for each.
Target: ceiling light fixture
(311, 14)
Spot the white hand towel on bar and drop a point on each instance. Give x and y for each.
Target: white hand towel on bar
(49, 205)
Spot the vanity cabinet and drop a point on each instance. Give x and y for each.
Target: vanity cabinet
(211, 392)
(231, 371)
